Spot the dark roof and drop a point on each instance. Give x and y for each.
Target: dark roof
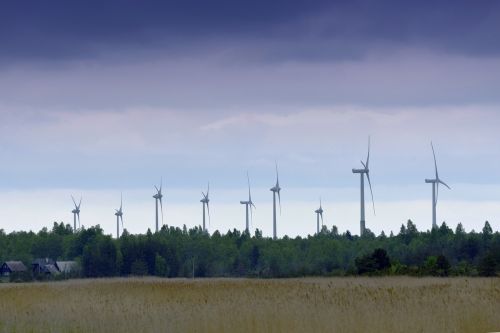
(51, 269)
(15, 266)
(43, 261)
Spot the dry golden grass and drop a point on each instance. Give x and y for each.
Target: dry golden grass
(233, 305)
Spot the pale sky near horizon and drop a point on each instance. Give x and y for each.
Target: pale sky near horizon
(102, 98)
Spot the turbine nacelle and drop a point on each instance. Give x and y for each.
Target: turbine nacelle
(205, 198)
(275, 189)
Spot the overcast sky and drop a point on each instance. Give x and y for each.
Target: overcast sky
(98, 98)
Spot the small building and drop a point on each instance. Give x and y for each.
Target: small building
(10, 267)
(66, 267)
(44, 266)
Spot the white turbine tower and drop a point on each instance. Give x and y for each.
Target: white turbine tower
(319, 213)
(435, 188)
(158, 198)
(205, 201)
(119, 217)
(362, 173)
(276, 189)
(248, 204)
(76, 212)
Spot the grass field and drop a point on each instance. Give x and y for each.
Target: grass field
(232, 305)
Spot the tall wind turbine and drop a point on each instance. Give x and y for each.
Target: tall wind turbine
(205, 200)
(248, 204)
(435, 188)
(276, 189)
(362, 173)
(157, 198)
(119, 216)
(76, 212)
(319, 212)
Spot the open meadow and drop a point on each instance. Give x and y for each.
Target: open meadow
(399, 304)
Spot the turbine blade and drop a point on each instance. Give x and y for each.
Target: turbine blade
(80, 203)
(437, 193)
(208, 189)
(251, 214)
(121, 201)
(79, 224)
(74, 201)
(249, 194)
(368, 156)
(161, 208)
(441, 182)
(121, 219)
(371, 192)
(279, 200)
(321, 214)
(435, 162)
(157, 190)
(208, 210)
(277, 176)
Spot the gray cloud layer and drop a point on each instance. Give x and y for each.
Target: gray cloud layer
(276, 30)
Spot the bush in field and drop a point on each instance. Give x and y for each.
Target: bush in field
(376, 262)
(487, 265)
(436, 266)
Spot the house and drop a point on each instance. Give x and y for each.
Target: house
(10, 267)
(66, 267)
(44, 266)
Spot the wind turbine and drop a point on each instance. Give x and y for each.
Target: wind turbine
(435, 188)
(157, 198)
(276, 189)
(119, 216)
(362, 173)
(205, 201)
(248, 203)
(319, 212)
(76, 212)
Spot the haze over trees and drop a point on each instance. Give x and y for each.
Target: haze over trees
(182, 252)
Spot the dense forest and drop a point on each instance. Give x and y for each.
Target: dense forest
(176, 252)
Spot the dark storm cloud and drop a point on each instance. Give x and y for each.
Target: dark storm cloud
(280, 29)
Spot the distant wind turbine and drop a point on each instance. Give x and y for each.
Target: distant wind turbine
(276, 189)
(158, 198)
(319, 212)
(435, 188)
(205, 201)
(362, 173)
(119, 217)
(248, 204)
(76, 212)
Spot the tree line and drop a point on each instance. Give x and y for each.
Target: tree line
(182, 252)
